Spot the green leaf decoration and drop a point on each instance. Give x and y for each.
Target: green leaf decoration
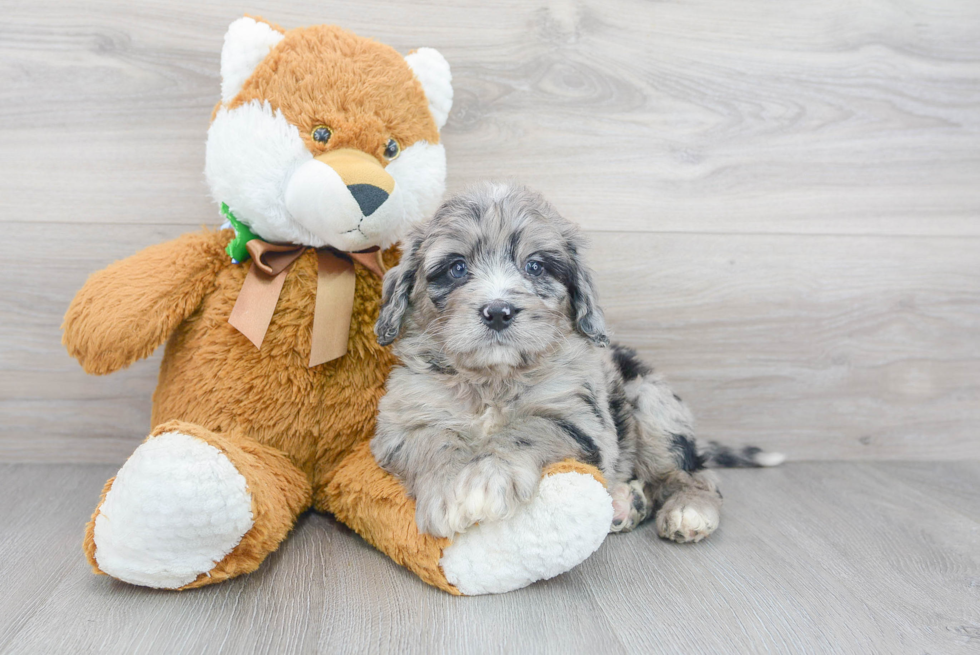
(236, 248)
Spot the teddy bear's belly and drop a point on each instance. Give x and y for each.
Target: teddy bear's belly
(213, 376)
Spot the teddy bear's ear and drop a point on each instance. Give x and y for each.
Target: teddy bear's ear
(247, 43)
(432, 70)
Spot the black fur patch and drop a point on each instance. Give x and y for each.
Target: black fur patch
(585, 442)
(439, 296)
(557, 266)
(514, 244)
(441, 283)
(639, 503)
(620, 410)
(686, 453)
(629, 363)
(436, 367)
(724, 458)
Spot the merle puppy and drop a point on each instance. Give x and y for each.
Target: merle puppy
(506, 368)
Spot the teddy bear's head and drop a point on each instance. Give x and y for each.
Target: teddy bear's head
(324, 138)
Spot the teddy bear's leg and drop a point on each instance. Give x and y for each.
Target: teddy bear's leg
(564, 523)
(191, 507)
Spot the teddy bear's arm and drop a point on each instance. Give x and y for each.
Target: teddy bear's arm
(125, 311)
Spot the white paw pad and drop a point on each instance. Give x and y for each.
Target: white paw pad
(177, 507)
(564, 523)
(685, 523)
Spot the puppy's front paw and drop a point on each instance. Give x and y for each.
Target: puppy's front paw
(432, 513)
(487, 489)
(490, 490)
(687, 519)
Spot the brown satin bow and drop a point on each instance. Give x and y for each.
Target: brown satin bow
(334, 294)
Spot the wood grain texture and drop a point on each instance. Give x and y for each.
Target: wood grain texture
(835, 117)
(783, 197)
(831, 558)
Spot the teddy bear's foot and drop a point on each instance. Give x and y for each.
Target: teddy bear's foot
(180, 512)
(177, 507)
(564, 523)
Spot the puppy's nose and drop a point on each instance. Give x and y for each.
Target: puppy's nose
(498, 315)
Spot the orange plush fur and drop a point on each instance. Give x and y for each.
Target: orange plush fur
(372, 93)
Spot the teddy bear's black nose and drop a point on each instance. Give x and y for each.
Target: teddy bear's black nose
(368, 197)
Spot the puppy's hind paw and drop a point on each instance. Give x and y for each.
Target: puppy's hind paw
(630, 506)
(687, 520)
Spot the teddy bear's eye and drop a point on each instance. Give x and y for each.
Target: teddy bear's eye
(321, 133)
(392, 150)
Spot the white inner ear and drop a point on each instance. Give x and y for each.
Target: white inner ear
(247, 43)
(432, 71)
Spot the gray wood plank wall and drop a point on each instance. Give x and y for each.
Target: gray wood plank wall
(783, 197)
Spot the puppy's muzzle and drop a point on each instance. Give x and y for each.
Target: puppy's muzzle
(498, 315)
(368, 182)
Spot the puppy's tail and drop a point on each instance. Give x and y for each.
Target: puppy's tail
(716, 455)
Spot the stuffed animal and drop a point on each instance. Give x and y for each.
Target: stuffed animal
(324, 149)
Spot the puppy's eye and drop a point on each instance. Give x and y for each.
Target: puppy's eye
(458, 269)
(392, 150)
(321, 134)
(534, 268)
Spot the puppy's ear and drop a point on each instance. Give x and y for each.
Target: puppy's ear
(395, 292)
(586, 312)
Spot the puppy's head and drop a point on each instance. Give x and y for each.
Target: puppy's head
(495, 279)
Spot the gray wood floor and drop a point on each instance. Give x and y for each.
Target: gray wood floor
(819, 557)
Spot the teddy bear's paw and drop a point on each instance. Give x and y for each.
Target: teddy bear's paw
(564, 523)
(177, 507)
